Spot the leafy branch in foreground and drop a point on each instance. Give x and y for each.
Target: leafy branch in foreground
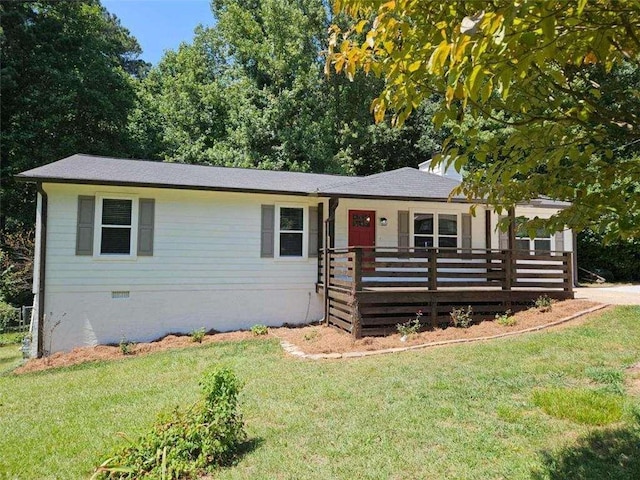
(561, 76)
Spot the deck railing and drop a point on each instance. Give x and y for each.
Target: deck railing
(367, 268)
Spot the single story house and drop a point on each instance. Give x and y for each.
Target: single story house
(130, 249)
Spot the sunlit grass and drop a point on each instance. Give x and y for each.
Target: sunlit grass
(462, 412)
(580, 405)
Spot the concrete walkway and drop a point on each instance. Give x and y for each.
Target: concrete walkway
(620, 295)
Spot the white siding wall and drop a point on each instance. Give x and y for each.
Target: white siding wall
(206, 271)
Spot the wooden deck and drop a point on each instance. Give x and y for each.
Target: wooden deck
(370, 290)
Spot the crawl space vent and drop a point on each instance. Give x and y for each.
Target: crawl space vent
(120, 294)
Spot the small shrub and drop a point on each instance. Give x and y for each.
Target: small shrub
(461, 317)
(11, 338)
(580, 405)
(7, 315)
(543, 303)
(410, 327)
(126, 347)
(506, 319)
(198, 335)
(259, 330)
(186, 443)
(310, 336)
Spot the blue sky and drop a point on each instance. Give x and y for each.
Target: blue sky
(160, 25)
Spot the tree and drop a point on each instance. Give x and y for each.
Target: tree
(66, 87)
(548, 72)
(250, 91)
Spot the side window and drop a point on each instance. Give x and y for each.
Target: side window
(435, 230)
(447, 230)
(423, 230)
(541, 243)
(290, 233)
(116, 230)
(117, 226)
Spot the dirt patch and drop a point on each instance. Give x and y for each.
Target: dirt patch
(107, 352)
(325, 340)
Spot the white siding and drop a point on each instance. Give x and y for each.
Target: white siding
(205, 271)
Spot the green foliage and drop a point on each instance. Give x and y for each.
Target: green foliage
(580, 405)
(8, 315)
(543, 303)
(506, 319)
(67, 87)
(559, 80)
(462, 317)
(198, 335)
(126, 346)
(11, 338)
(617, 261)
(258, 330)
(250, 92)
(411, 327)
(186, 443)
(16, 266)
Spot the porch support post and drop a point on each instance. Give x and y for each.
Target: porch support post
(325, 273)
(329, 242)
(512, 228)
(333, 205)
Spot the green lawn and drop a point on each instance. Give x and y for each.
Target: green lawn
(467, 412)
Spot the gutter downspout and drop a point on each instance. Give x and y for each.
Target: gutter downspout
(41, 268)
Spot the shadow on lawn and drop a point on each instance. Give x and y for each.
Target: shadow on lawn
(604, 454)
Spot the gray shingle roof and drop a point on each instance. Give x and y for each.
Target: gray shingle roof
(404, 183)
(401, 183)
(91, 169)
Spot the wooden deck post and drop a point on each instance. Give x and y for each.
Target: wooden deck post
(433, 269)
(327, 266)
(357, 269)
(507, 266)
(356, 324)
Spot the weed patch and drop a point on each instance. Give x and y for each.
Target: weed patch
(186, 443)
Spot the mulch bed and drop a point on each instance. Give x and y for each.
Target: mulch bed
(325, 340)
(314, 339)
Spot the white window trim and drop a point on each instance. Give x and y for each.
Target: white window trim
(436, 233)
(305, 232)
(97, 237)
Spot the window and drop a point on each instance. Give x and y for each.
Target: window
(541, 243)
(115, 226)
(431, 230)
(290, 235)
(447, 230)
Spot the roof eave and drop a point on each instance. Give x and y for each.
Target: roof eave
(160, 185)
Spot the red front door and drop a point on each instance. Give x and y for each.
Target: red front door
(362, 228)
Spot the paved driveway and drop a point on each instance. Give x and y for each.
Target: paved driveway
(622, 295)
